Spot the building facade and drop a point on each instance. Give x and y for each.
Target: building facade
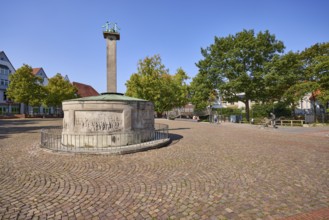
(10, 108)
(40, 110)
(7, 106)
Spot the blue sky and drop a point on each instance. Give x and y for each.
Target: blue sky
(65, 36)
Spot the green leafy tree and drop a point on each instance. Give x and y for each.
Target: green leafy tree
(317, 71)
(202, 91)
(59, 90)
(280, 109)
(283, 72)
(180, 88)
(235, 65)
(315, 76)
(154, 83)
(26, 88)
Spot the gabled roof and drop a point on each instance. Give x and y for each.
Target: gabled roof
(35, 71)
(85, 90)
(314, 95)
(40, 72)
(7, 60)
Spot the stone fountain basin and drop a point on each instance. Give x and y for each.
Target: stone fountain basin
(110, 119)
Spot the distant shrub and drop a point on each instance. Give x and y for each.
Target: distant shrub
(263, 110)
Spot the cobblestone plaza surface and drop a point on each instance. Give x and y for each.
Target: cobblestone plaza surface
(225, 171)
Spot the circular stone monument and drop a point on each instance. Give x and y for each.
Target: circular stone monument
(108, 120)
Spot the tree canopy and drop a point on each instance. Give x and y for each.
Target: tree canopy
(315, 75)
(154, 83)
(58, 90)
(235, 66)
(26, 88)
(283, 72)
(202, 91)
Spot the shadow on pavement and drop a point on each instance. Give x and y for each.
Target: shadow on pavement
(174, 129)
(8, 127)
(174, 138)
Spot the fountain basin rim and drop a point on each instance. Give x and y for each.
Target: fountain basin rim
(109, 96)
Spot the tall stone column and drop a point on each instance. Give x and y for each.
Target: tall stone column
(111, 56)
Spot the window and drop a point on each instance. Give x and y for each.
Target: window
(15, 109)
(4, 71)
(46, 111)
(36, 110)
(3, 110)
(4, 82)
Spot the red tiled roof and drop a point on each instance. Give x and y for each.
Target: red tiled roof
(85, 90)
(35, 71)
(315, 94)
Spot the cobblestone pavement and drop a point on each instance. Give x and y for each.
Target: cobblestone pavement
(226, 171)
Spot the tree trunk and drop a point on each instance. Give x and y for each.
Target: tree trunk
(293, 107)
(247, 109)
(159, 114)
(325, 119)
(26, 108)
(314, 110)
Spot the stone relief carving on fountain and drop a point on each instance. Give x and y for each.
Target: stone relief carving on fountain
(98, 121)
